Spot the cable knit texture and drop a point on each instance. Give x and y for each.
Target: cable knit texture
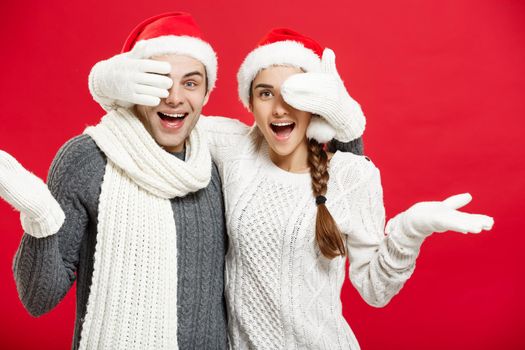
(46, 268)
(281, 292)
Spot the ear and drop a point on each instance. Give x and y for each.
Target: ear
(206, 98)
(250, 103)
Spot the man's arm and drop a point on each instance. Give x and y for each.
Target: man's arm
(45, 268)
(355, 146)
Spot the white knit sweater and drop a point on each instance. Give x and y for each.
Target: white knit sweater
(281, 292)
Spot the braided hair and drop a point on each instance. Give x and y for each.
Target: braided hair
(327, 234)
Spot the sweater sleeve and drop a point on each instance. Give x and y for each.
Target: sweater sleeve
(378, 266)
(223, 135)
(45, 268)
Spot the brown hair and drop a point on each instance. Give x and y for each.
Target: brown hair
(327, 234)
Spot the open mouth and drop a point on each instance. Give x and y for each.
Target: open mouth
(172, 117)
(172, 121)
(282, 129)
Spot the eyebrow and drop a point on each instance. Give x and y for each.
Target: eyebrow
(193, 73)
(266, 86)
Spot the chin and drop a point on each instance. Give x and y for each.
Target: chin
(282, 150)
(170, 143)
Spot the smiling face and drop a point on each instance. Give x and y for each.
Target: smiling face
(283, 126)
(171, 122)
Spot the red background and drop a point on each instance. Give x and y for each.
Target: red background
(441, 83)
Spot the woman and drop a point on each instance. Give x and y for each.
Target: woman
(295, 213)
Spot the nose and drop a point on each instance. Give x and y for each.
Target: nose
(280, 107)
(175, 96)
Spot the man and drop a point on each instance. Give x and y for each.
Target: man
(132, 210)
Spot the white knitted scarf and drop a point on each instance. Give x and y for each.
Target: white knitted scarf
(133, 297)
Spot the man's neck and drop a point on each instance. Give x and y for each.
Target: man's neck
(180, 154)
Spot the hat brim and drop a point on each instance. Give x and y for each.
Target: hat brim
(279, 53)
(181, 45)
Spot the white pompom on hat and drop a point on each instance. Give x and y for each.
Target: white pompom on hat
(283, 46)
(172, 33)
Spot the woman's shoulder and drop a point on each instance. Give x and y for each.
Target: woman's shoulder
(347, 166)
(349, 160)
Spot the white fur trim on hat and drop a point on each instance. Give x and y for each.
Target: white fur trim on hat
(182, 45)
(320, 130)
(278, 53)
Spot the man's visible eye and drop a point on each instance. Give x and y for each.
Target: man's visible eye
(190, 84)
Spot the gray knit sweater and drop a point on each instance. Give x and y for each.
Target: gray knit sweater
(46, 268)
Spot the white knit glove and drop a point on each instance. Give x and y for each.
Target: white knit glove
(40, 213)
(422, 219)
(324, 93)
(123, 81)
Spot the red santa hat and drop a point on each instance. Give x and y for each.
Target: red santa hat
(172, 33)
(283, 46)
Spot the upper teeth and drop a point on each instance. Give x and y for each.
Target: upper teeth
(174, 115)
(282, 124)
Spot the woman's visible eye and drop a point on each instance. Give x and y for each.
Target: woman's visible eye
(265, 94)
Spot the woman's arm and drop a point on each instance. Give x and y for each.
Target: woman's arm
(379, 264)
(378, 267)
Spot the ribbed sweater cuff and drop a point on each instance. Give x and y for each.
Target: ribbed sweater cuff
(45, 225)
(404, 244)
(348, 121)
(106, 103)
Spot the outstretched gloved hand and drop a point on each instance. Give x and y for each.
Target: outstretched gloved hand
(41, 214)
(424, 218)
(123, 81)
(324, 93)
